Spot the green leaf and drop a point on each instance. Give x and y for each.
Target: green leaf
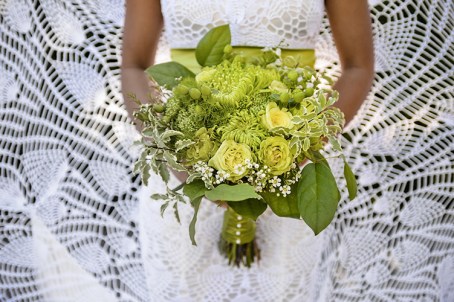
(306, 144)
(296, 119)
(158, 196)
(335, 143)
(283, 206)
(166, 74)
(146, 174)
(322, 100)
(232, 193)
(317, 196)
(210, 49)
(194, 189)
(316, 157)
(193, 176)
(184, 143)
(175, 211)
(138, 166)
(196, 205)
(166, 135)
(164, 172)
(250, 208)
(351, 180)
(164, 206)
(333, 98)
(172, 162)
(149, 132)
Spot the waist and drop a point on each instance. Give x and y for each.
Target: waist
(305, 57)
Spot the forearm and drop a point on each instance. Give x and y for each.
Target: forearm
(351, 27)
(134, 83)
(143, 25)
(353, 87)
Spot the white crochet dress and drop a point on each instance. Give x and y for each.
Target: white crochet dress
(178, 271)
(72, 227)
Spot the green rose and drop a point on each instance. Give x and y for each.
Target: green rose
(231, 157)
(203, 148)
(275, 153)
(276, 117)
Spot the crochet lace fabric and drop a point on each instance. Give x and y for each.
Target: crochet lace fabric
(291, 23)
(75, 223)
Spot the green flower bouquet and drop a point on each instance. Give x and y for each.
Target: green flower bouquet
(240, 128)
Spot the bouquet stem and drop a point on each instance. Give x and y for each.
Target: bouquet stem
(238, 239)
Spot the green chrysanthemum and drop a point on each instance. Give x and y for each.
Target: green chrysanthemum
(243, 128)
(234, 81)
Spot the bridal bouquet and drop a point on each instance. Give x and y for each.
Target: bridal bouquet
(240, 128)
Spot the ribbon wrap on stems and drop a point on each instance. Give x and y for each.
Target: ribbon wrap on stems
(236, 228)
(238, 239)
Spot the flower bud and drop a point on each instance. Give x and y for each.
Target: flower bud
(298, 96)
(290, 61)
(308, 91)
(228, 49)
(194, 93)
(292, 75)
(181, 90)
(284, 97)
(206, 91)
(307, 74)
(166, 119)
(159, 108)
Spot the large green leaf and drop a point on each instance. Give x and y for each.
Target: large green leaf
(166, 74)
(351, 181)
(196, 204)
(232, 193)
(210, 49)
(318, 196)
(250, 208)
(283, 206)
(194, 189)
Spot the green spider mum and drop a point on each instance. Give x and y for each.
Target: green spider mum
(243, 128)
(234, 81)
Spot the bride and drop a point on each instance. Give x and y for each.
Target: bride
(176, 270)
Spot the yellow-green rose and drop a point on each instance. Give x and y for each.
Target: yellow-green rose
(275, 153)
(229, 157)
(277, 117)
(203, 148)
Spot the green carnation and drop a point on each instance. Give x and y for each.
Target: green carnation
(231, 158)
(276, 154)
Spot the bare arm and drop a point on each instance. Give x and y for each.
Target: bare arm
(351, 28)
(143, 25)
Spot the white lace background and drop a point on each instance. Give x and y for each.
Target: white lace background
(68, 201)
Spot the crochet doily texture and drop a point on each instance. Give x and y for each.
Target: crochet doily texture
(76, 225)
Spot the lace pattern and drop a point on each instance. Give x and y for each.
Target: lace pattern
(72, 226)
(295, 24)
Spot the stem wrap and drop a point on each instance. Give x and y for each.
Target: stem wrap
(237, 229)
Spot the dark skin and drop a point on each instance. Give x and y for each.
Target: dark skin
(350, 24)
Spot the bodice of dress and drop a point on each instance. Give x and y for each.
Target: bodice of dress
(286, 23)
